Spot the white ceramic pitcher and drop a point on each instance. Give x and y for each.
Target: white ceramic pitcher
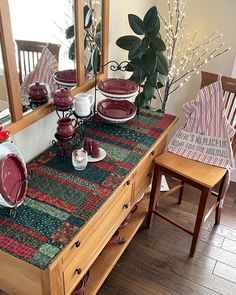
(83, 104)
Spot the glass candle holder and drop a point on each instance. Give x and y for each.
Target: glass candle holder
(79, 159)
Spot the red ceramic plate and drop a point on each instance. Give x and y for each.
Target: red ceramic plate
(67, 76)
(118, 86)
(116, 109)
(13, 179)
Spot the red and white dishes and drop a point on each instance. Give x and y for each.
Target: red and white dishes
(13, 180)
(118, 88)
(116, 111)
(65, 78)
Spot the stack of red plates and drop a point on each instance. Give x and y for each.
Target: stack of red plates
(116, 111)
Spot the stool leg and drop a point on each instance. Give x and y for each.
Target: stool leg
(223, 187)
(155, 193)
(199, 219)
(181, 193)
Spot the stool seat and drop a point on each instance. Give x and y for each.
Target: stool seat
(204, 174)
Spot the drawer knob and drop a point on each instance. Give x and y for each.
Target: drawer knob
(78, 271)
(126, 206)
(149, 174)
(77, 244)
(152, 153)
(128, 182)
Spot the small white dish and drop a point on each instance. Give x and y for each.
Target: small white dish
(102, 156)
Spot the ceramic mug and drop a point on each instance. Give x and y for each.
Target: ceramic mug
(83, 104)
(66, 127)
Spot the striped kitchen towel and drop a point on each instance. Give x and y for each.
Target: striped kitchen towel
(46, 66)
(207, 133)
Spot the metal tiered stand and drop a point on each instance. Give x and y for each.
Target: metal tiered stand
(65, 146)
(114, 66)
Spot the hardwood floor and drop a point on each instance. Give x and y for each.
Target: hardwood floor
(157, 261)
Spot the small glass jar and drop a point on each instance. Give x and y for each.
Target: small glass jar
(79, 159)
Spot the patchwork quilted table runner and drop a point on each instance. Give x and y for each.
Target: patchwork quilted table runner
(61, 200)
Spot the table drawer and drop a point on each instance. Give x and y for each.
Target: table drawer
(88, 252)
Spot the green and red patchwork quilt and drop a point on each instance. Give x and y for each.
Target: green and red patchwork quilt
(61, 200)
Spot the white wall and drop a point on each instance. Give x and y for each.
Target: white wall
(205, 16)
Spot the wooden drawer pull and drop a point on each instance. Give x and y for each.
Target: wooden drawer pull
(126, 206)
(77, 244)
(78, 271)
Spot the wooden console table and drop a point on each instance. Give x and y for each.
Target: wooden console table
(62, 229)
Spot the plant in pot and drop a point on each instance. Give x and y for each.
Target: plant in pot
(92, 40)
(147, 61)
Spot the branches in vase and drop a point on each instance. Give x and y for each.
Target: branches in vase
(185, 55)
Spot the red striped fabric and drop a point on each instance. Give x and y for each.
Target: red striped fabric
(46, 66)
(207, 133)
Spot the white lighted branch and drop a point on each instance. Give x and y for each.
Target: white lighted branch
(185, 54)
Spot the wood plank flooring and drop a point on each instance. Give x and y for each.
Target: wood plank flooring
(157, 262)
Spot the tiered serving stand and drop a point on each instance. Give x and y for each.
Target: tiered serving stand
(65, 146)
(116, 108)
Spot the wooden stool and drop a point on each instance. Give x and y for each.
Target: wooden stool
(200, 175)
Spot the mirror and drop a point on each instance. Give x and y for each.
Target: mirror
(8, 49)
(34, 62)
(5, 115)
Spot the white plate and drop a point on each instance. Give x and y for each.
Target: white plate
(118, 96)
(102, 156)
(116, 121)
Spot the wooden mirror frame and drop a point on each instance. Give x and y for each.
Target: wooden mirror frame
(18, 121)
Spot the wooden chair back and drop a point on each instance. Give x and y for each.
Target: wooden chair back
(29, 52)
(229, 90)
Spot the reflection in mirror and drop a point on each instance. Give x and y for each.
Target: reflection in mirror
(92, 37)
(5, 116)
(41, 47)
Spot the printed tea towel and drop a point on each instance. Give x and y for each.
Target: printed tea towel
(46, 66)
(207, 134)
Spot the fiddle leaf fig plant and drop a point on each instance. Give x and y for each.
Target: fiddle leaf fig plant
(146, 59)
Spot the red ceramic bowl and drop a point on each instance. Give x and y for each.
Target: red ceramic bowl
(118, 87)
(116, 109)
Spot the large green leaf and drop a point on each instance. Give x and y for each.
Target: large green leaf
(70, 32)
(98, 38)
(140, 100)
(72, 51)
(138, 76)
(136, 24)
(135, 52)
(148, 91)
(148, 61)
(145, 43)
(128, 42)
(162, 64)
(157, 44)
(152, 79)
(150, 19)
(96, 61)
(88, 13)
